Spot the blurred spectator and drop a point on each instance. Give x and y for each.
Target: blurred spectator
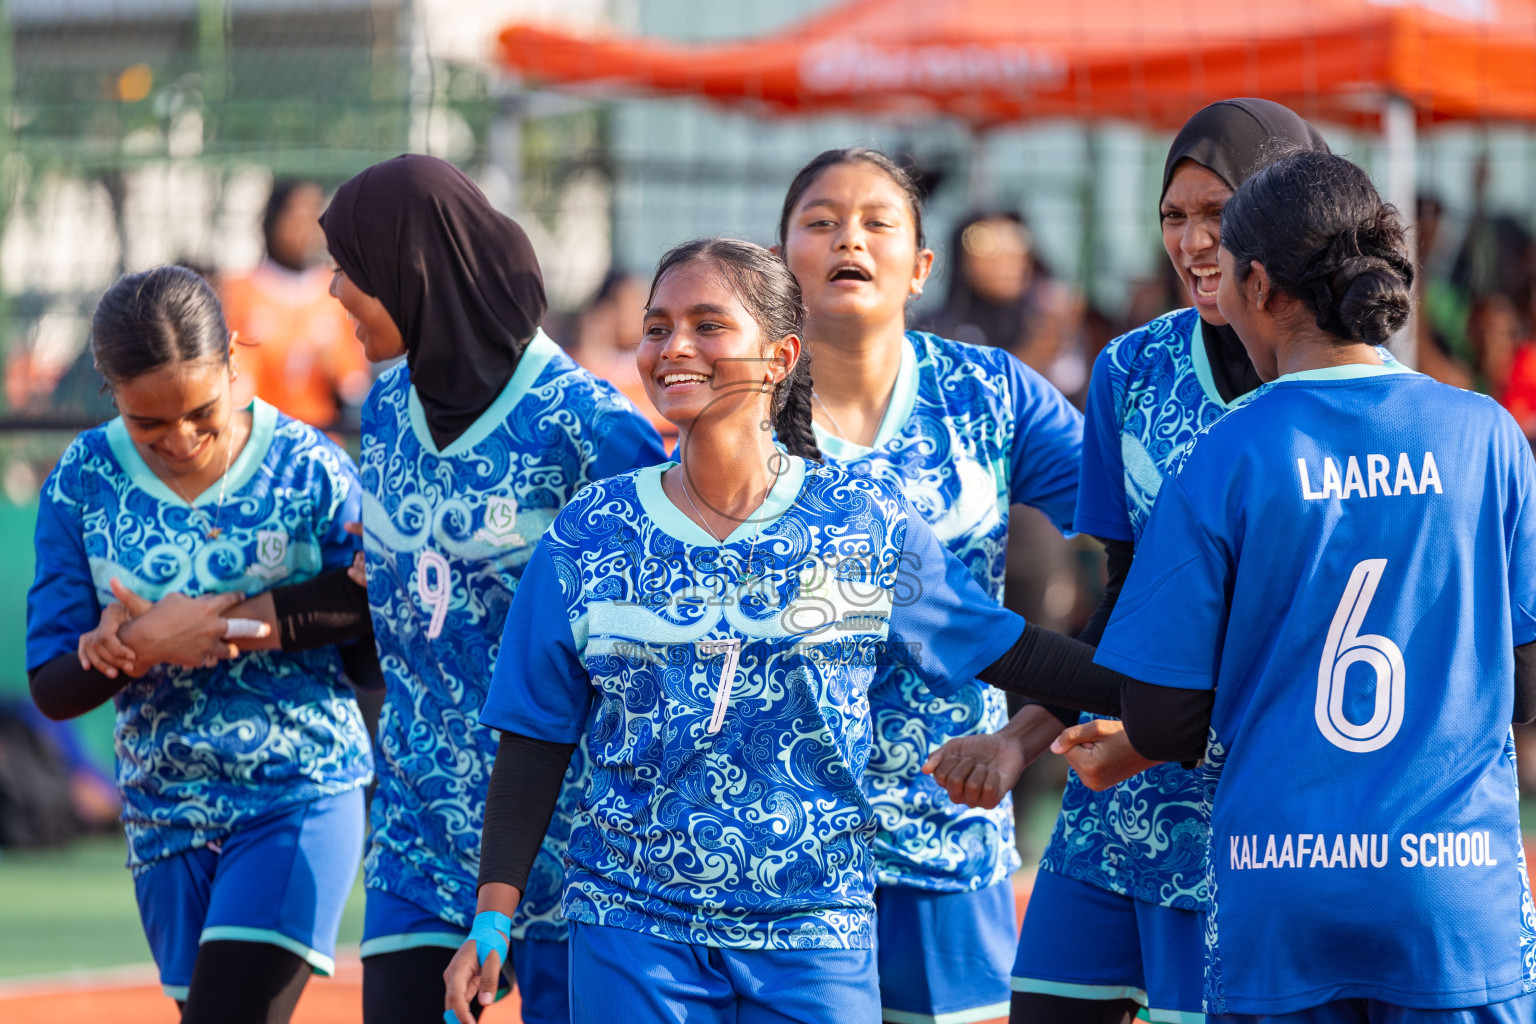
(1001, 295)
(296, 347)
(607, 335)
(1442, 349)
(1505, 360)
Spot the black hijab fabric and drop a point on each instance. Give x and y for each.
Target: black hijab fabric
(1234, 139)
(460, 280)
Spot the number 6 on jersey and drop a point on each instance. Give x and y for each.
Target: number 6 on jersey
(1344, 647)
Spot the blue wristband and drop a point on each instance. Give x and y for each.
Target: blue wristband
(491, 931)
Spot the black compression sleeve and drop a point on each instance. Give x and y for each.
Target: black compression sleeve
(1525, 683)
(360, 660)
(525, 785)
(329, 609)
(62, 689)
(1166, 723)
(1054, 669)
(1119, 554)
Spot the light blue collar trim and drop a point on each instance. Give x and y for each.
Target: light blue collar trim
(1202, 361)
(263, 425)
(1348, 371)
(897, 412)
(539, 351)
(678, 524)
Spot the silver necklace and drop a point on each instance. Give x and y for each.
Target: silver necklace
(835, 425)
(215, 530)
(748, 573)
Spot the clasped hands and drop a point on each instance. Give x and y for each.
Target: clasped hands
(136, 634)
(979, 770)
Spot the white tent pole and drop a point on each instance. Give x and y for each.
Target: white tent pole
(1399, 126)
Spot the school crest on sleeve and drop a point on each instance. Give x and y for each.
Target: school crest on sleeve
(271, 554)
(500, 529)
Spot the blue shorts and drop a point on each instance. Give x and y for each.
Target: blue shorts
(1519, 1010)
(620, 975)
(540, 967)
(281, 879)
(1083, 942)
(944, 956)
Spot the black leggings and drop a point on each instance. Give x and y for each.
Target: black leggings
(1034, 1008)
(407, 987)
(244, 983)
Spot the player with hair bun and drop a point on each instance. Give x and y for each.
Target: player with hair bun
(963, 431)
(710, 629)
(1334, 604)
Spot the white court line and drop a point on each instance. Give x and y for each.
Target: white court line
(125, 976)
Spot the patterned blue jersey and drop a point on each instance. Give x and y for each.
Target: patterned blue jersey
(722, 691)
(1350, 560)
(202, 751)
(969, 431)
(1151, 392)
(448, 536)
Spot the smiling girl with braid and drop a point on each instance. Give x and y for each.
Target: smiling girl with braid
(711, 629)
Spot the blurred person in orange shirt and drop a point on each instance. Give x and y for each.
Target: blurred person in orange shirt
(1506, 360)
(607, 335)
(297, 350)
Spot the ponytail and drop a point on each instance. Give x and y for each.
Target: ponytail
(792, 410)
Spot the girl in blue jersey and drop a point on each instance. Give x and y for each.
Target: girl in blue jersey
(1332, 604)
(1125, 858)
(241, 773)
(471, 446)
(711, 630)
(963, 431)
(1347, 562)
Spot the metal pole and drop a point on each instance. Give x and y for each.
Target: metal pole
(1399, 129)
(9, 156)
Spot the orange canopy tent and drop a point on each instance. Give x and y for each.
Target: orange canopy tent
(1151, 61)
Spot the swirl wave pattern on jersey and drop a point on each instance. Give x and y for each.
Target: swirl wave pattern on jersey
(199, 751)
(979, 432)
(448, 535)
(756, 837)
(1145, 837)
(723, 689)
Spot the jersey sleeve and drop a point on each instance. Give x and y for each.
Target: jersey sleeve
(630, 443)
(539, 688)
(1522, 544)
(61, 603)
(1047, 446)
(1101, 507)
(341, 503)
(1170, 622)
(942, 622)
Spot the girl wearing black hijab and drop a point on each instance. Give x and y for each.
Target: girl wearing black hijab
(1115, 921)
(470, 448)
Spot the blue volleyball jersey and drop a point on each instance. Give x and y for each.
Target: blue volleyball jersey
(1349, 560)
(969, 431)
(722, 691)
(448, 536)
(1150, 393)
(201, 751)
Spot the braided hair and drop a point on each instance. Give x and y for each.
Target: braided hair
(1324, 236)
(771, 295)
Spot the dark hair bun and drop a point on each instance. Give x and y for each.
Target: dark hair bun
(1357, 283)
(1375, 302)
(1317, 224)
